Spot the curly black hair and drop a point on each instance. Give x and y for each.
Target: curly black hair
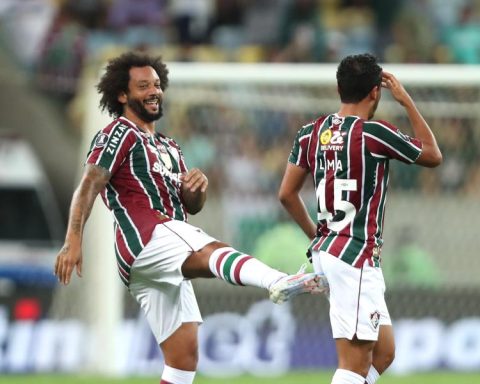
(356, 77)
(116, 77)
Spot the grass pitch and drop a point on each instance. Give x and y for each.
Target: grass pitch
(291, 378)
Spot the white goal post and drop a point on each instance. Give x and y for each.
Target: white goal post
(232, 73)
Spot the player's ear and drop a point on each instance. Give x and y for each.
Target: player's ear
(374, 93)
(122, 98)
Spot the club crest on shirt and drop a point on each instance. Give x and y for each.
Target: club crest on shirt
(101, 140)
(337, 120)
(165, 156)
(162, 154)
(375, 319)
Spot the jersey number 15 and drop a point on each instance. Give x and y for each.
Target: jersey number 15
(339, 185)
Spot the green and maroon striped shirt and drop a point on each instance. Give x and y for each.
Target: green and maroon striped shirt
(348, 158)
(145, 182)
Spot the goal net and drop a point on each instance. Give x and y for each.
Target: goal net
(237, 123)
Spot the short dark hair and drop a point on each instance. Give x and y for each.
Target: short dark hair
(116, 77)
(356, 77)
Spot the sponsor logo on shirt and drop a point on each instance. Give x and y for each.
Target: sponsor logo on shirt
(160, 168)
(332, 140)
(115, 138)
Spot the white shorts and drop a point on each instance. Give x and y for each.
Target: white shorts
(357, 297)
(156, 279)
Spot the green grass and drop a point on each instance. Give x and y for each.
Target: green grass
(292, 378)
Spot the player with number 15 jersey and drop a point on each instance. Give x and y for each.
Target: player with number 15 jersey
(348, 154)
(348, 158)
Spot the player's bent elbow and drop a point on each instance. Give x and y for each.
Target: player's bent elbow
(430, 159)
(435, 160)
(438, 159)
(283, 197)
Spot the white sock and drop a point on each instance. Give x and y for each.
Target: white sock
(372, 376)
(241, 269)
(176, 376)
(258, 274)
(342, 376)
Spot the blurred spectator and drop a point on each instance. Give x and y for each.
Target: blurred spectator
(404, 31)
(62, 55)
(227, 29)
(138, 23)
(301, 36)
(25, 25)
(414, 34)
(445, 13)
(385, 13)
(262, 21)
(191, 20)
(90, 13)
(353, 32)
(463, 38)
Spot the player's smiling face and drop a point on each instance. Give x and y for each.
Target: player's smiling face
(144, 97)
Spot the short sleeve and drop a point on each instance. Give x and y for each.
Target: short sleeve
(111, 146)
(299, 152)
(384, 140)
(182, 164)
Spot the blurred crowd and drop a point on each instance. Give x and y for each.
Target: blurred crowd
(244, 148)
(55, 37)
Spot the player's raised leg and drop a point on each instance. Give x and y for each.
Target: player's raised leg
(222, 261)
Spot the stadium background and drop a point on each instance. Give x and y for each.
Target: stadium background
(237, 123)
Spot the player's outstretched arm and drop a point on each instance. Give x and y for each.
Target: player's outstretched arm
(431, 155)
(94, 180)
(194, 190)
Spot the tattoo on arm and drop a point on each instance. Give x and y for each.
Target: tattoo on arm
(94, 179)
(65, 248)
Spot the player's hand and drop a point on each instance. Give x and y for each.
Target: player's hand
(68, 258)
(194, 180)
(396, 88)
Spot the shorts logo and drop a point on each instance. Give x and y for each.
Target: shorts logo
(375, 319)
(101, 140)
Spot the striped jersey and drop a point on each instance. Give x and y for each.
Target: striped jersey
(348, 158)
(145, 184)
